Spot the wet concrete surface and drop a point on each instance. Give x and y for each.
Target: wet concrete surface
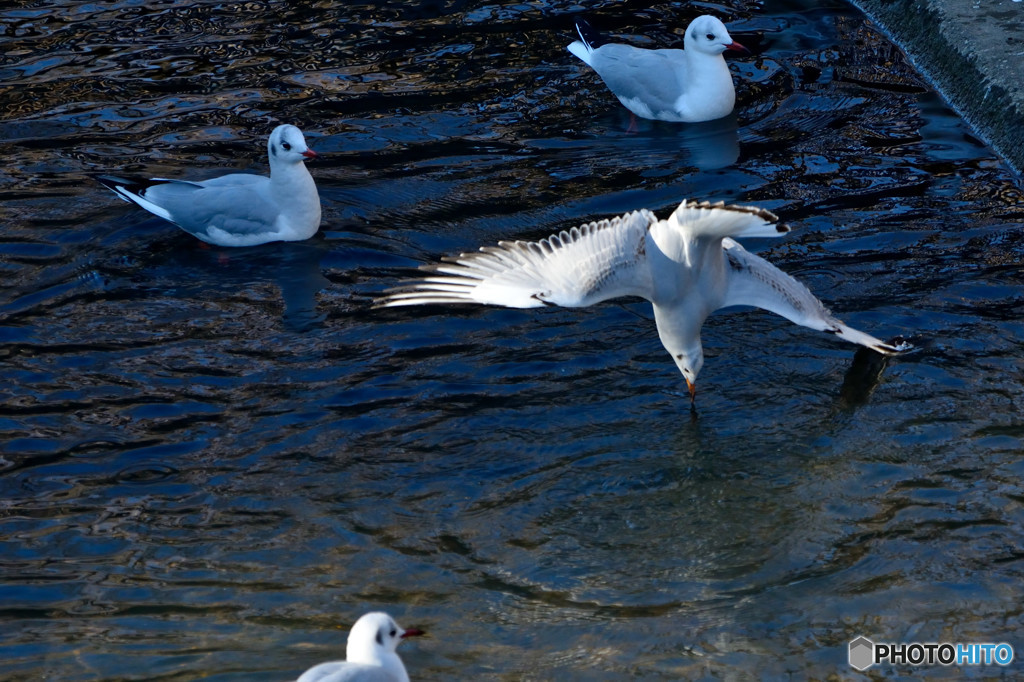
(974, 54)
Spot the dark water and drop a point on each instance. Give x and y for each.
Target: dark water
(214, 460)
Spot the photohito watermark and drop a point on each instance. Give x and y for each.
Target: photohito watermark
(864, 653)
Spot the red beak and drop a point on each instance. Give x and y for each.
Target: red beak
(412, 632)
(309, 154)
(737, 47)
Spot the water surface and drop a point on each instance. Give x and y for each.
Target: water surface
(213, 460)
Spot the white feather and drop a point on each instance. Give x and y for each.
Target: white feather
(687, 266)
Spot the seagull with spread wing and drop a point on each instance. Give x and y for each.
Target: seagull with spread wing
(687, 266)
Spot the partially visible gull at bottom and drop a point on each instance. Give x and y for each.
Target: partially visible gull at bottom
(369, 655)
(687, 266)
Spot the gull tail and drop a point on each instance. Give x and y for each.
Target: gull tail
(589, 41)
(126, 189)
(134, 191)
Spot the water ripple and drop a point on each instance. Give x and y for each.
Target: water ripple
(215, 459)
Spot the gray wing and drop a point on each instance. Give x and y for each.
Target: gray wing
(238, 204)
(579, 267)
(236, 180)
(755, 282)
(343, 671)
(648, 76)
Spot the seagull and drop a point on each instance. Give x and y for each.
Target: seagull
(370, 654)
(240, 209)
(687, 266)
(689, 85)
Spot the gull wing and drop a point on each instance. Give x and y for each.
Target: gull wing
(237, 204)
(755, 282)
(704, 219)
(574, 268)
(648, 77)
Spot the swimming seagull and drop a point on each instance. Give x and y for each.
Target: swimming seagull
(690, 85)
(687, 266)
(240, 209)
(370, 654)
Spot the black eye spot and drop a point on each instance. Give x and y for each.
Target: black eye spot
(393, 633)
(710, 36)
(287, 147)
(380, 639)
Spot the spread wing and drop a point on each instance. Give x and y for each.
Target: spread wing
(755, 282)
(574, 268)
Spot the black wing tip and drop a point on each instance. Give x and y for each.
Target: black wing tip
(898, 345)
(762, 213)
(121, 185)
(111, 182)
(589, 34)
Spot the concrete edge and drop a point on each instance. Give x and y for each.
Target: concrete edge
(988, 100)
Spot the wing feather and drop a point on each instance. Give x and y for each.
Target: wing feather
(574, 268)
(755, 282)
(704, 219)
(241, 210)
(645, 76)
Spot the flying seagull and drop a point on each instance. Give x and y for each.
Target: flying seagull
(687, 266)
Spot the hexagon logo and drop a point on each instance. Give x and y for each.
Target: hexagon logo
(862, 653)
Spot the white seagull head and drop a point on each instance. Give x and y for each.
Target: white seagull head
(689, 362)
(374, 638)
(708, 35)
(287, 146)
(369, 655)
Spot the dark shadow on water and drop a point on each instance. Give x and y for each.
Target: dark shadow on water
(191, 268)
(711, 145)
(862, 378)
